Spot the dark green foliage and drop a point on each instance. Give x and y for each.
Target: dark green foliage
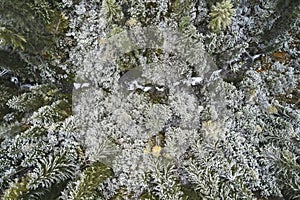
(9, 37)
(87, 187)
(288, 12)
(30, 32)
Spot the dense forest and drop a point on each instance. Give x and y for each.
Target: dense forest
(149, 99)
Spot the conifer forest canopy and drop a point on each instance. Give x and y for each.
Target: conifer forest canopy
(149, 99)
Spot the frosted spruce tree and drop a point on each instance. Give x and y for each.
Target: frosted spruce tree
(38, 154)
(122, 99)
